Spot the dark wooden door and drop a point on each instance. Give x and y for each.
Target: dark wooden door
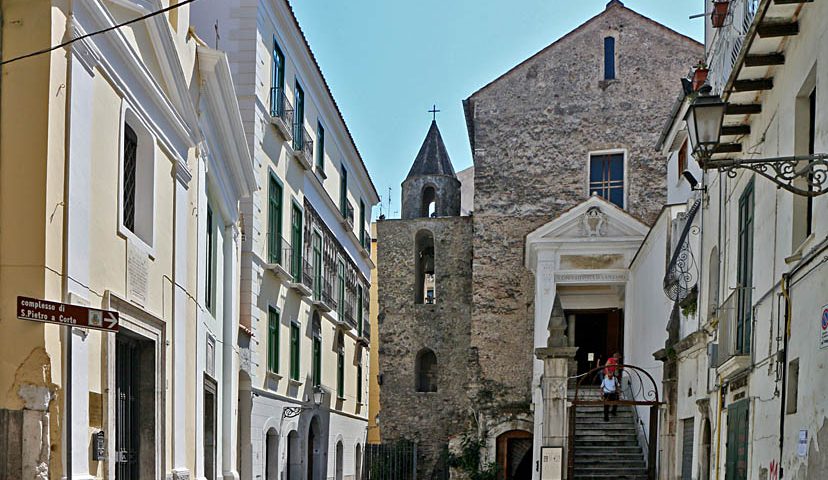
(737, 441)
(127, 438)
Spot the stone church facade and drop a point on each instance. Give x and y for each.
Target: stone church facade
(579, 118)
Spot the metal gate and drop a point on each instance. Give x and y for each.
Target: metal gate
(127, 439)
(688, 426)
(643, 392)
(392, 461)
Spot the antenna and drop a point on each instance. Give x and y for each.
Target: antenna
(389, 200)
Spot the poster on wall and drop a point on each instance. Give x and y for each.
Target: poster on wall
(551, 463)
(823, 332)
(802, 445)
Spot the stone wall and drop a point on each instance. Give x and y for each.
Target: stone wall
(405, 328)
(532, 131)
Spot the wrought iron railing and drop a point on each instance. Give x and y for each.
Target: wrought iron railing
(728, 41)
(366, 241)
(279, 252)
(307, 273)
(349, 312)
(302, 140)
(327, 293)
(348, 213)
(682, 272)
(279, 105)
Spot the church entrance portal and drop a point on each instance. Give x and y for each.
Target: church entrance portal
(598, 335)
(514, 455)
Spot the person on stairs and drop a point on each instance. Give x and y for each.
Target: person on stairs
(609, 390)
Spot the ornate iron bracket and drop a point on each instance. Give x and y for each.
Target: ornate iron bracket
(803, 175)
(290, 412)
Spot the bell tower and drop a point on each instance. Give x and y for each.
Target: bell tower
(431, 188)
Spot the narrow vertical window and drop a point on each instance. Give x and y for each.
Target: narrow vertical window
(273, 340)
(359, 309)
(609, 58)
(809, 217)
(426, 284)
(277, 82)
(425, 370)
(296, 241)
(294, 351)
(320, 148)
(359, 380)
(606, 177)
(340, 366)
(130, 172)
(343, 191)
(210, 267)
(298, 117)
(682, 160)
(316, 367)
(744, 272)
(274, 221)
(362, 223)
(340, 286)
(317, 266)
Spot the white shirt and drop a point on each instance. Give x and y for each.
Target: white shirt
(609, 385)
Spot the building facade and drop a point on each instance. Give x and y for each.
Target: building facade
(306, 264)
(124, 178)
(747, 373)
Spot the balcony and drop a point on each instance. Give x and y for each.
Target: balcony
(301, 274)
(302, 145)
(730, 359)
(366, 244)
(728, 42)
(279, 258)
(281, 113)
(349, 313)
(347, 212)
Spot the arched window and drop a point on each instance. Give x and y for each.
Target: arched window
(609, 58)
(294, 460)
(339, 452)
(272, 455)
(425, 287)
(358, 462)
(429, 207)
(425, 369)
(713, 285)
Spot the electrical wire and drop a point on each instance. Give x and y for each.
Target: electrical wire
(108, 29)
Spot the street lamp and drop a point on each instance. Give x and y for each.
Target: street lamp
(704, 124)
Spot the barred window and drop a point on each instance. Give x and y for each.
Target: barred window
(130, 172)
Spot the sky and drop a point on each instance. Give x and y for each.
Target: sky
(388, 61)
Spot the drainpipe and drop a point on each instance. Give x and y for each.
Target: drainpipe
(786, 293)
(719, 427)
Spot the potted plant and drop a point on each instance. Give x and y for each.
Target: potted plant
(699, 75)
(719, 15)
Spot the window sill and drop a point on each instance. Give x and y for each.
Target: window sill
(320, 173)
(273, 376)
(295, 383)
(800, 251)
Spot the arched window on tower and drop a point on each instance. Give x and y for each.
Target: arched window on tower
(425, 370)
(424, 257)
(429, 207)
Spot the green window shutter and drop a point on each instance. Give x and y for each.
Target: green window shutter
(277, 85)
(359, 309)
(274, 222)
(296, 240)
(317, 361)
(744, 271)
(340, 372)
(343, 190)
(340, 310)
(273, 340)
(320, 147)
(294, 352)
(298, 117)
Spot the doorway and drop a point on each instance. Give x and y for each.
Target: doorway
(209, 427)
(598, 335)
(514, 455)
(134, 407)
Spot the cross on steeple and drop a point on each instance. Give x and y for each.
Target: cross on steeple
(434, 113)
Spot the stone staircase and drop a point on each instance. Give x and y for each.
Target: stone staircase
(606, 450)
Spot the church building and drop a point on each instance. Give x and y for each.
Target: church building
(567, 181)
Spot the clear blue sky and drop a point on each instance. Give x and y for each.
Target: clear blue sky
(388, 61)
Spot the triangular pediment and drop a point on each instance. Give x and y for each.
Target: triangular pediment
(593, 220)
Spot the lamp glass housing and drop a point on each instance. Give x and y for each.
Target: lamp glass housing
(704, 122)
(317, 396)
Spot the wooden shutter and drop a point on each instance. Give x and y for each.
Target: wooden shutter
(688, 426)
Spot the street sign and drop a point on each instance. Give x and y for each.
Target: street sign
(65, 314)
(823, 325)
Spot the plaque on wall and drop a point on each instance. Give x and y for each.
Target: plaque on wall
(137, 273)
(551, 463)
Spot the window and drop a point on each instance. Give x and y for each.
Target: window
(362, 236)
(359, 309)
(713, 285)
(272, 340)
(316, 371)
(343, 191)
(317, 266)
(682, 160)
(209, 294)
(606, 177)
(277, 82)
(296, 240)
(340, 290)
(340, 365)
(809, 222)
(791, 399)
(294, 351)
(429, 207)
(137, 202)
(744, 271)
(359, 380)
(320, 148)
(609, 58)
(425, 370)
(424, 258)
(298, 117)
(274, 221)
(804, 144)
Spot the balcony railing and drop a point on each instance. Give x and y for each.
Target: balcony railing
(728, 41)
(281, 111)
(348, 214)
(280, 256)
(302, 144)
(366, 242)
(307, 273)
(727, 329)
(349, 313)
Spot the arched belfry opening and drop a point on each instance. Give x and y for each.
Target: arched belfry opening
(429, 208)
(425, 283)
(425, 371)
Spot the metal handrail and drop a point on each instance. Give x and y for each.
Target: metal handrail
(302, 140)
(724, 50)
(280, 106)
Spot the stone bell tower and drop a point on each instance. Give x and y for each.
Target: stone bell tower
(431, 188)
